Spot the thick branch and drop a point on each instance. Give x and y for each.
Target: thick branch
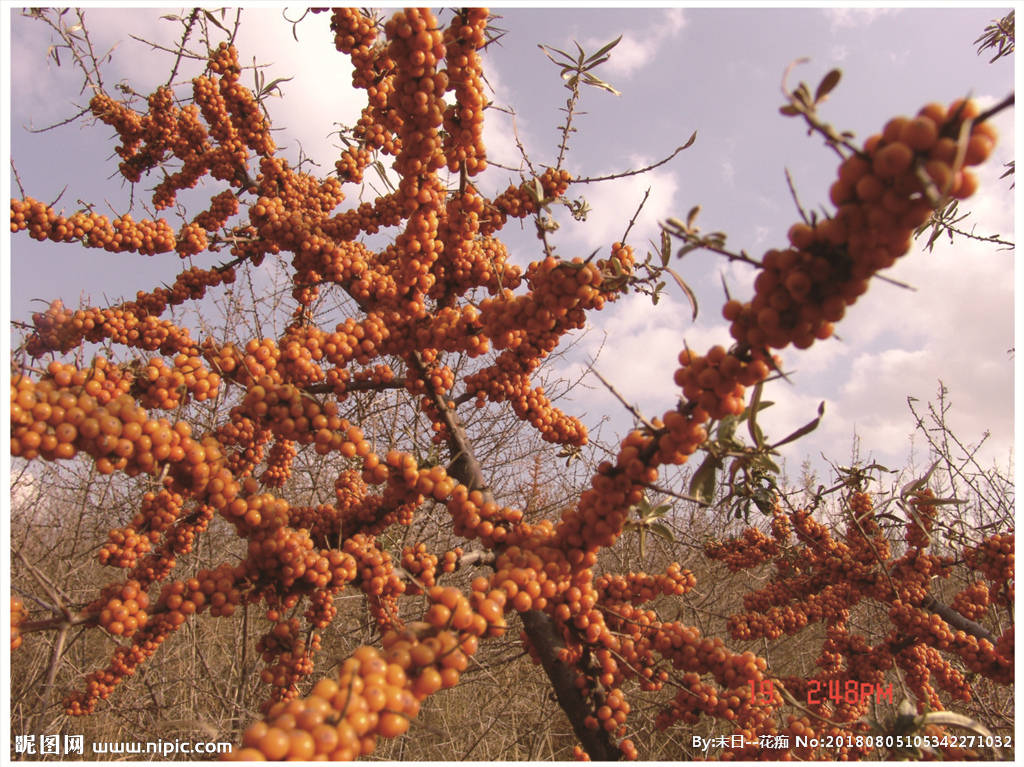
(538, 625)
(956, 620)
(324, 388)
(597, 743)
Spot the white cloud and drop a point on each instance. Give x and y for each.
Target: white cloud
(955, 327)
(501, 127)
(728, 172)
(641, 373)
(638, 47)
(847, 18)
(320, 93)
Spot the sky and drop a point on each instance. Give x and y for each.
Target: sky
(679, 70)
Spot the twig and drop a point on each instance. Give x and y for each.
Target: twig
(181, 46)
(674, 494)
(55, 655)
(17, 179)
(631, 408)
(625, 174)
(796, 200)
(991, 111)
(68, 121)
(632, 221)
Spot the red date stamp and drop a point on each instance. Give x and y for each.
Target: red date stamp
(837, 691)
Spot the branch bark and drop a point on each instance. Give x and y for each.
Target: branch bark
(538, 625)
(956, 620)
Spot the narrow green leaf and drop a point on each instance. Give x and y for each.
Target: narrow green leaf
(759, 432)
(273, 86)
(589, 79)
(803, 430)
(828, 82)
(213, 20)
(606, 48)
(702, 484)
(666, 247)
(726, 427)
(690, 295)
(662, 532)
(916, 484)
(691, 217)
(753, 409)
(538, 191)
(546, 48)
(587, 67)
(762, 405)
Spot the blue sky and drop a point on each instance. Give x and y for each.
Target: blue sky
(716, 71)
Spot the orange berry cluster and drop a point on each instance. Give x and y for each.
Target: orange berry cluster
(801, 291)
(101, 683)
(376, 693)
(422, 566)
(716, 381)
(824, 578)
(377, 578)
(92, 230)
(883, 193)
(920, 520)
(994, 558)
(728, 697)
(58, 329)
(291, 414)
(223, 206)
(159, 386)
(18, 614)
(751, 549)
(921, 664)
(521, 201)
(288, 658)
(124, 611)
(973, 601)
(341, 719)
(639, 588)
(464, 120)
(57, 417)
(352, 29)
(279, 463)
